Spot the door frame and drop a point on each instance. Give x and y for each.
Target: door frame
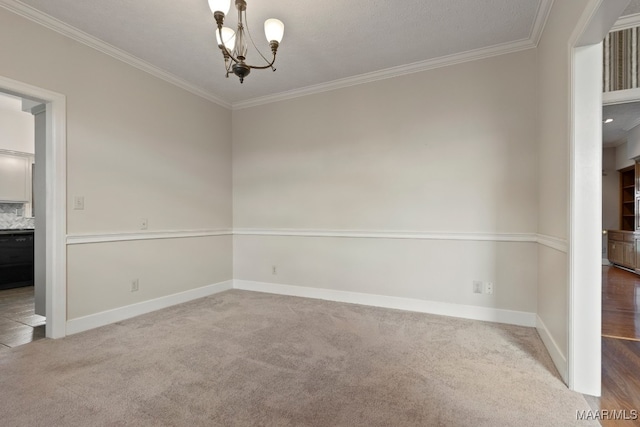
(55, 200)
(585, 194)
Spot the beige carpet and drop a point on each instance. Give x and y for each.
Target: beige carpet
(243, 358)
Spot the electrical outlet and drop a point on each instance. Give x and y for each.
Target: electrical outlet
(135, 285)
(488, 288)
(78, 203)
(274, 270)
(477, 287)
(144, 223)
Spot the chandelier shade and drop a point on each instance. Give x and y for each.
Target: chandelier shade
(234, 44)
(219, 6)
(274, 29)
(228, 38)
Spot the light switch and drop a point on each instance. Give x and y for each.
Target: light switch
(78, 203)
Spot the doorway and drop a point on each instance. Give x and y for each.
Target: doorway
(585, 189)
(52, 200)
(22, 256)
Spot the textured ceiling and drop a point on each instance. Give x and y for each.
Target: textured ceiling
(625, 117)
(633, 8)
(324, 40)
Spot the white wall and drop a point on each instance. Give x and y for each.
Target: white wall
(633, 143)
(442, 151)
(137, 147)
(553, 176)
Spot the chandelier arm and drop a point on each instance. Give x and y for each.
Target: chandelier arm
(256, 47)
(269, 65)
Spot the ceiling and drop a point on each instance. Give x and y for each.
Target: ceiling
(625, 117)
(324, 41)
(632, 8)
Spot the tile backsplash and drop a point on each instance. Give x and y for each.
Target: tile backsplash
(9, 219)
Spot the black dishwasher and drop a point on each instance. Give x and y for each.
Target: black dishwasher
(16, 258)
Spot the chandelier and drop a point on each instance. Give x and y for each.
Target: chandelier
(233, 44)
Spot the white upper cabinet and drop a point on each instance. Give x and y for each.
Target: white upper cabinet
(15, 178)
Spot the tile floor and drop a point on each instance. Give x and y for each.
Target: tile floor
(18, 323)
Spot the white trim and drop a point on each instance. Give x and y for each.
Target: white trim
(488, 314)
(541, 19)
(67, 30)
(390, 234)
(401, 70)
(553, 242)
(620, 96)
(626, 22)
(559, 359)
(584, 50)
(56, 211)
(549, 241)
(56, 208)
(92, 321)
(79, 239)
(605, 261)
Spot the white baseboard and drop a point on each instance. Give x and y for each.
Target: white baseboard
(605, 261)
(520, 318)
(122, 313)
(558, 358)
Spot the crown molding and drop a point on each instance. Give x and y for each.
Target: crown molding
(66, 30)
(544, 8)
(60, 27)
(388, 73)
(542, 15)
(626, 22)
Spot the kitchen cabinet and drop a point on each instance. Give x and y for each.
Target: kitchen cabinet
(622, 247)
(16, 258)
(15, 177)
(628, 197)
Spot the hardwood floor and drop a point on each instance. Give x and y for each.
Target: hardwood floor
(18, 322)
(620, 347)
(620, 304)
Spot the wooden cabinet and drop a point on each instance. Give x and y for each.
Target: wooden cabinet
(615, 252)
(628, 196)
(629, 255)
(15, 177)
(623, 247)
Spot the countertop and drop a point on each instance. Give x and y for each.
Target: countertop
(17, 231)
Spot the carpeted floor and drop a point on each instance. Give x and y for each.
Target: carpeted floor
(243, 358)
